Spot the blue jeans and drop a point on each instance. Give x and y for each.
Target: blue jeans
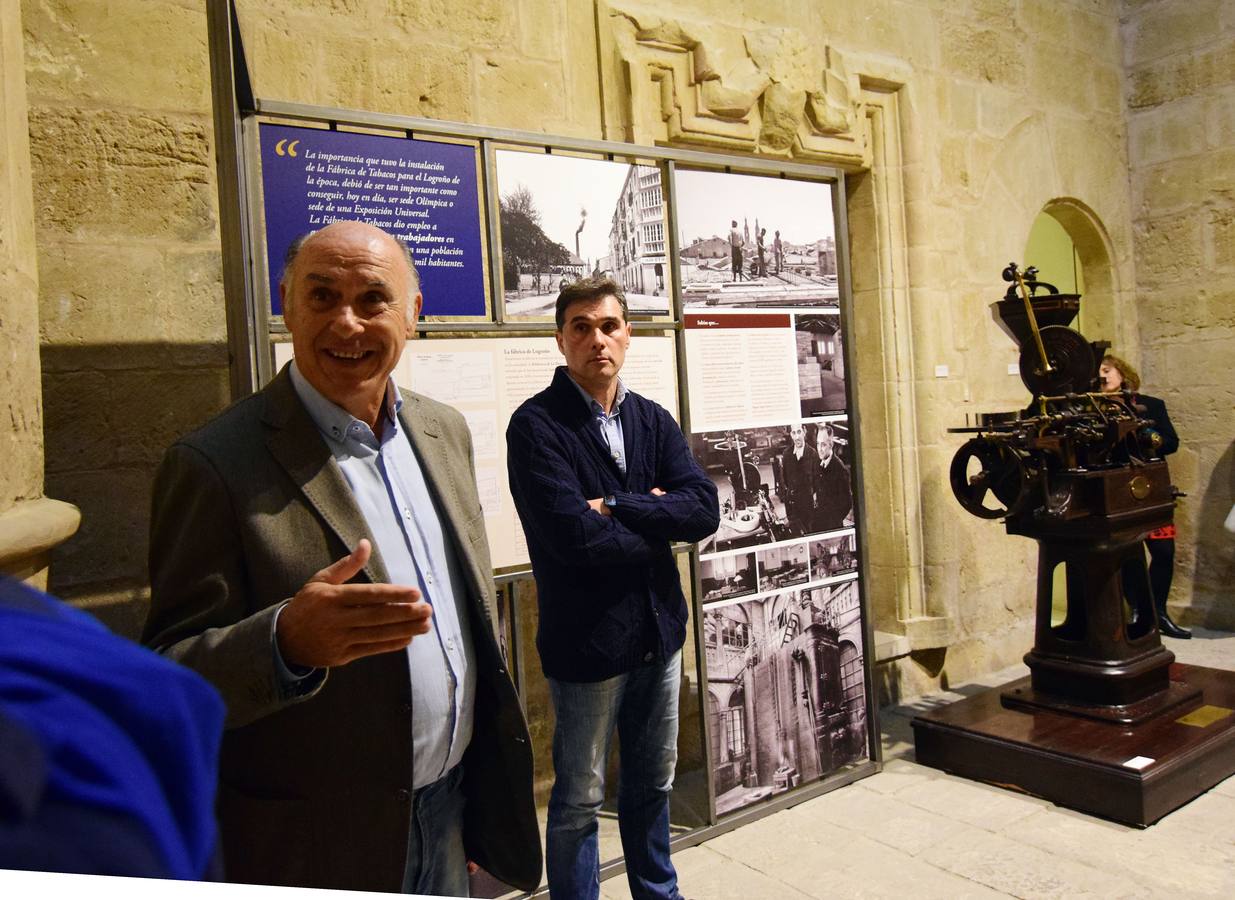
(436, 863)
(643, 706)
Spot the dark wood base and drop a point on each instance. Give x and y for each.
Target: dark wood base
(1080, 761)
(1021, 695)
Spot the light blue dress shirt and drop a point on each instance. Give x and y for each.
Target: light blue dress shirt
(610, 422)
(390, 488)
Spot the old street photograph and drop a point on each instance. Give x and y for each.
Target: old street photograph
(566, 217)
(755, 241)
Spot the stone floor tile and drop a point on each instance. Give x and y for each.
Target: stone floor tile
(1226, 788)
(881, 875)
(1017, 869)
(1212, 813)
(821, 859)
(899, 772)
(884, 819)
(1170, 865)
(971, 802)
(705, 874)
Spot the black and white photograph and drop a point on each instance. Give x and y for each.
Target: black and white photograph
(821, 364)
(752, 241)
(745, 466)
(833, 556)
(567, 217)
(783, 566)
(778, 482)
(786, 693)
(725, 577)
(833, 480)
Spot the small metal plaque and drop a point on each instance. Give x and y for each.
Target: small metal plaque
(1140, 487)
(1204, 716)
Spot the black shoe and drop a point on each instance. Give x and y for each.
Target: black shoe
(1170, 629)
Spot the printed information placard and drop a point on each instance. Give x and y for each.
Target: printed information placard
(424, 192)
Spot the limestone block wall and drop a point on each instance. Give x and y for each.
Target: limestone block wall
(130, 309)
(970, 117)
(1180, 92)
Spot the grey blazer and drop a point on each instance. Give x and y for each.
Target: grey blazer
(315, 790)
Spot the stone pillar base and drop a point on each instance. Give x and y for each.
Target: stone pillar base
(29, 532)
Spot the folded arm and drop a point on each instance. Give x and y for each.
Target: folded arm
(555, 510)
(685, 508)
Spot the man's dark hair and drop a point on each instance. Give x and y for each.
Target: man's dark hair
(589, 289)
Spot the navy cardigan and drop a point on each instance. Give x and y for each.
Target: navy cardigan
(608, 587)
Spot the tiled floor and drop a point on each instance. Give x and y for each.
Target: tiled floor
(912, 831)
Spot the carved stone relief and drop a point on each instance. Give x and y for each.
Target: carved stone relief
(766, 91)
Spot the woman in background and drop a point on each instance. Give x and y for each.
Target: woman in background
(1117, 375)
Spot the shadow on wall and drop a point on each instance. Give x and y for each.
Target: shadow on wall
(1214, 570)
(109, 413)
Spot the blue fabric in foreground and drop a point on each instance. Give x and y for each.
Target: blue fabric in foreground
(121, 736)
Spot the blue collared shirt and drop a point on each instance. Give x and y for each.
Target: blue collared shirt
(610, 422)
(390, 488)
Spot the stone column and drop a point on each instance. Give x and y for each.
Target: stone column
(30, 524)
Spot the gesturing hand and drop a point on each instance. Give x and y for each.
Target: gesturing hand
(329, 623)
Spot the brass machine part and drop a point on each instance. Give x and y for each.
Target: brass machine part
(1033, 322)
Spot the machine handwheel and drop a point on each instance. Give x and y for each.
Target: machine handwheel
(983, 467)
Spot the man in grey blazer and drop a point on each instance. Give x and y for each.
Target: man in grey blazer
(318, 553)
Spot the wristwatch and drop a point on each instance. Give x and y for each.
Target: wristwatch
(610, 501)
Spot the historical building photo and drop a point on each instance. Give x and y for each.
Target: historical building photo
(565, 217)
(786, 701)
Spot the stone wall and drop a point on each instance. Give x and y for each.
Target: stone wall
(131, 311)
(970, 117)
(1180, 91)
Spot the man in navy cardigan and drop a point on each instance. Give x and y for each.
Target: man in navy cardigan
(604, 481)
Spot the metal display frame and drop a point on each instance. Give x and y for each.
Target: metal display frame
(237, 115)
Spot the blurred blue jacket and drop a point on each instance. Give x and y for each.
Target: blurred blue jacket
(108, 752)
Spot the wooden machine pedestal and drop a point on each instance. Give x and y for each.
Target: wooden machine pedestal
(1133, 774)
(1107, 722)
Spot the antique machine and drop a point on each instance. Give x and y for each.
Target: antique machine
(1078, 471)
(1099, 717)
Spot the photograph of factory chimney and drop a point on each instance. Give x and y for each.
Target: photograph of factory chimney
(786, 693)
(750, 241)
(565, 217)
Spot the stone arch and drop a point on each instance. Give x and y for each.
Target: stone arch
(1096, 257)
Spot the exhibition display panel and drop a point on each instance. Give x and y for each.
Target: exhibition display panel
(736, 274)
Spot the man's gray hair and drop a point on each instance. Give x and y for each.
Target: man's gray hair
(297, 244)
